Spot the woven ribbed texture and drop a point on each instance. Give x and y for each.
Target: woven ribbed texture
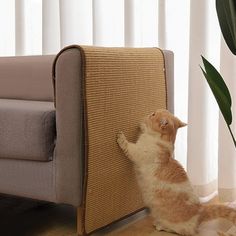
(122, 86)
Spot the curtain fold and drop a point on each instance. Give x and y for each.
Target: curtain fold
(19, 27)
(188, 28)
(32, 27)
(202, 161)
(198, 150)
(7, 28)
(227, 154)
(50, 26)
(129, 37)
(177, 25)
(75, 22)
(162, 23)
(108, 23)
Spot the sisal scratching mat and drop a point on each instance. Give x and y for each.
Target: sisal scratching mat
(121, 86)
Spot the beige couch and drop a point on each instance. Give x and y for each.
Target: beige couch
(43, 148)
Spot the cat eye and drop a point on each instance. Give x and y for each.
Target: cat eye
(153, 114)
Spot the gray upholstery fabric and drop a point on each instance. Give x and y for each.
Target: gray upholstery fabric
(169, 65)
(31, 179)
(27, 129)
(26, 77)
(69, 152)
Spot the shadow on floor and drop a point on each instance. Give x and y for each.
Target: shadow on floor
(21, 217)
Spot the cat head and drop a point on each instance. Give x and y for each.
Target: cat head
(164, 123)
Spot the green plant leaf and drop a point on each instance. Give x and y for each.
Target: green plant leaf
(226, 12)
(219, 89)
(216, 76)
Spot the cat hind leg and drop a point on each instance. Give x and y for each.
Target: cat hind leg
(160, 227)
(182, 228)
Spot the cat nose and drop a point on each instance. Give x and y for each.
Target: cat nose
(163, 122)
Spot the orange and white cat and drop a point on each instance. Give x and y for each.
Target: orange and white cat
(164, 184)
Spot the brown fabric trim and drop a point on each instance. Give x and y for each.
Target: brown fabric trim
(54, 67)
(165, 77)
(86, 142)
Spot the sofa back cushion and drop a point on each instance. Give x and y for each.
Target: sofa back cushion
(27, 130)
(26, 77)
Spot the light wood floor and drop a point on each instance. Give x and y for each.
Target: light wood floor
(19, 217)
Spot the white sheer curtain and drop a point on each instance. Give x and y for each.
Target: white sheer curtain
(203, 113)
(188, 28)
(227, 153)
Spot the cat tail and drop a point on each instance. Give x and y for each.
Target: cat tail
(212, 212)
(224, 234)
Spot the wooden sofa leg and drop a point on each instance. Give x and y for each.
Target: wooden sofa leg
(80, 222)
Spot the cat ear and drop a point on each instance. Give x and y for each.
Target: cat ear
(181, 124)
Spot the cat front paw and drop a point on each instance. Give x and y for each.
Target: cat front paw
(143, 127)
(121, 139)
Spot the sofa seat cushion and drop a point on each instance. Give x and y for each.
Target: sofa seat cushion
(27, 129)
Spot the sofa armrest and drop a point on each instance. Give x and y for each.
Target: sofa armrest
(69, 146)
(169, 67)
